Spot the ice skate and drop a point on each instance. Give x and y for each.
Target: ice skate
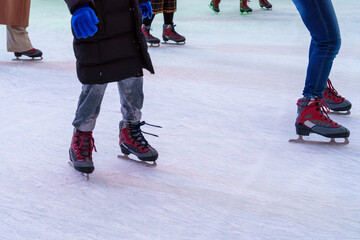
(244, 8)
(214, 5)
(265, 4)
(169, 34)
(33, 54)
(337, 104)
(150, 39)
(80, 152)
(313, 118)
(133, 142)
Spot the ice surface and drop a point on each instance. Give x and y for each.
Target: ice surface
(227, 104)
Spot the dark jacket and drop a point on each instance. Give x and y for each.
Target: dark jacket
(118, 50)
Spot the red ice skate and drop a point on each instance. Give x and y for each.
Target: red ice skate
(244, 7)
(265, 4)
(337, 103)
(80, 152)
(153, 41)
(34, 54)
(132, 141)
(214, 5)
(169, 33)
(313, 118)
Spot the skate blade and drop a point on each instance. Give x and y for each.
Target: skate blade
(154, 45)
(33, 59)
(147, 164)
(300, 139)
(86, 175)
(173, 43)
(341, 112)
(265, 8)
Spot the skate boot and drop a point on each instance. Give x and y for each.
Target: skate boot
(169, 33)
(336, 103)
(313, 118)
(133, 141)
(214, 5)
(244, 7)
(34, 53)
(153, 41)
(265, 4)
(80, 152)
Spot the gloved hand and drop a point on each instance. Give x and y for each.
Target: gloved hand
(84, 21)
(146, 10)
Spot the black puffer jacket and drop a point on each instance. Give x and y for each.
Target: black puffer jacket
(118, 50)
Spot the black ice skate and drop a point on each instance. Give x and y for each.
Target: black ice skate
(244, 8)
(133, 142)
(265, 4)
(313, 118)
(34, 54)
(169, 34)
(80, 152)
(214, 5)
(150, 39)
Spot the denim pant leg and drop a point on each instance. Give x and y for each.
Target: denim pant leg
(320, 19)
(131, 99)
(89, 106)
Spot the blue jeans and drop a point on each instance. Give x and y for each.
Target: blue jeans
(320, 19)
(131, 100)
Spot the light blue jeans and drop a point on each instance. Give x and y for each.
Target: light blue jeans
(88, 109)
(320, 19)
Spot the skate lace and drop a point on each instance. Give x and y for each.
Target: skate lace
(320, 106)
(84, 144)
(324, 110)
(137, 134)
(173, 33)
(332, 90)
(149, 34)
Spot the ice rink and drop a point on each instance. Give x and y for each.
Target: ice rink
(227, 103)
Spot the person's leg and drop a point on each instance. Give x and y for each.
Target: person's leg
(320, 19)
(169, 32)
(88, 108)
(82, 143)
(18, 39)
(132, 140)
(131, 99)
(147, 22)
(169, 18)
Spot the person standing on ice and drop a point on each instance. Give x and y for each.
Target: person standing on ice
(214, 5)
(320, 19)
(109, 47)
(168, 8)
(15, 15)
